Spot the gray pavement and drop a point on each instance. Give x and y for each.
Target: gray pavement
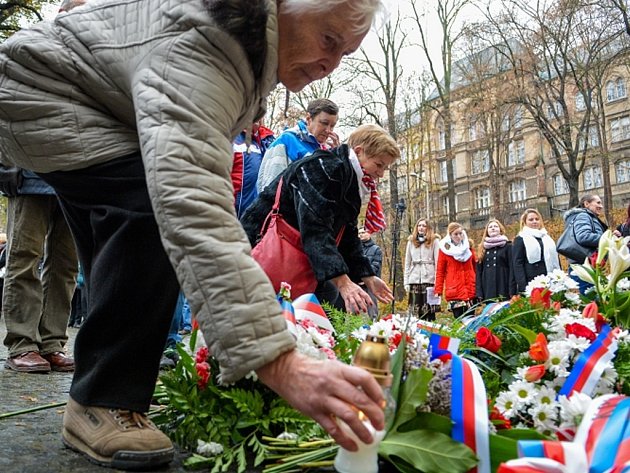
(31, 443)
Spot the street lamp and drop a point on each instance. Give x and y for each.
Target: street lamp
(425, 184)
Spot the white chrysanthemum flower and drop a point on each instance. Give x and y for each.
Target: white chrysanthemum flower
(572, 297)
(361, 333)
(623, 284)
(543, 415)
(305, 345)
(507, 402)
(545, 395)
(623, 336)
(556, 324)
(572, 409)
(252, 375)
(558, 362)
(287, 436)
(524, 391)
(578, 343)
(208, 449)
(520, 373)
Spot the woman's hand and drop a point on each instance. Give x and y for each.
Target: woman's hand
(379, 288)
(617, 233)
(355, 298)
(326, 390)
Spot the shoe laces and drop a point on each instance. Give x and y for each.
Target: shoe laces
(130, 419)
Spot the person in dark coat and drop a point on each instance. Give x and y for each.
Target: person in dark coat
(495, 277)
(587, 227)
(320, 195)
(534, 251)
(374, 254)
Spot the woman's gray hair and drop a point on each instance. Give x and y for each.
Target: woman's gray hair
(362, 12)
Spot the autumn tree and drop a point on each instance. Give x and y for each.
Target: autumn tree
(447, 12)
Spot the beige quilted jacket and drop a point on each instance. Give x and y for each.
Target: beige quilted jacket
(114, 76)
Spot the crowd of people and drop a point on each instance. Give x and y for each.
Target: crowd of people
(142, 156)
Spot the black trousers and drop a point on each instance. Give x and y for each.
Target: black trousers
(132, 288)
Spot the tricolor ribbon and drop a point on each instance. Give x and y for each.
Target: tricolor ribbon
(469, 411)
(590, 365)
(601, 445)
(308, 307)
(443, 347)
(289, 316)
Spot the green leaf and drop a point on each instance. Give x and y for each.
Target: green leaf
(413, 395)
(528, 334)
(198, 461)
(428, 451)
(502, 449)
(428, 421)
(522, 434)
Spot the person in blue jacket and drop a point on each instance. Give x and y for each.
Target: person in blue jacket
(588, 228)
(309, 135)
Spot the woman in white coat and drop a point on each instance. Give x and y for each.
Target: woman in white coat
(420, 263)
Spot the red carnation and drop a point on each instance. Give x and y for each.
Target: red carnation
(580, 330)
(499, 420)
(202, 355)
(203, 371)
(488, 340)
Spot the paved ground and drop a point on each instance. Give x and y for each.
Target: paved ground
(31, 443)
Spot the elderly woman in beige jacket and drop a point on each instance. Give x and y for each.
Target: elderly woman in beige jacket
(128, 109)
(420, 262)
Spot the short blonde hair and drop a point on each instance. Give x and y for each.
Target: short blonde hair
(374, 140)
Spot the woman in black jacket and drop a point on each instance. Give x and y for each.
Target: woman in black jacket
(495, 277)
(320, 195)
(534, 252)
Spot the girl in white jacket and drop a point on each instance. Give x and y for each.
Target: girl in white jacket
(420, 263)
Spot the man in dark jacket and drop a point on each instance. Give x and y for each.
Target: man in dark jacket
(36, 305)
(374, 254)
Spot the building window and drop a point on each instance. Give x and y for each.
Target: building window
(480, 161)
(622, 170)
(516, 153)
(554, 110)
(560, 185)
(580, 103)
(620, 129)
(472, 130)
(592, 177)
(517, 191)
(445, 205)
(482, 198)
(441, 138)
(518, 117)
(593, 138)
(442, 170)
(615, 89)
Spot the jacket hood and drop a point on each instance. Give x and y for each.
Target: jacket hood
(246, 21)
(572, 213)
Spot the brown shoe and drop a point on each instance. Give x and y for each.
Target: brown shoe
(29, 362)
(59, 361)
(115, 438)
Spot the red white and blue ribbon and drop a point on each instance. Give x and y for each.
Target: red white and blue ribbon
(469, 411)
(289, 316)
(590, 365)
(601, 445)
(307, 307)
(443, 347)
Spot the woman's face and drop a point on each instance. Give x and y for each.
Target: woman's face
(422, 227)
(457, 236)
(374, 166)
(311, 45)
(595, 205)
(532, 220)
(494, 229)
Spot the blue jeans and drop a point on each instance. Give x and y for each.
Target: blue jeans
(186, 316)
(174, 337)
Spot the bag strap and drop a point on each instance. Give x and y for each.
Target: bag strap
(275, 210)
(340, 235)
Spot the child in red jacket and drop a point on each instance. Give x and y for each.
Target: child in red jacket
(455, 273)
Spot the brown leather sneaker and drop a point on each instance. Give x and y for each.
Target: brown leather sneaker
(115, 438)
(59, 361)
(29, 362)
